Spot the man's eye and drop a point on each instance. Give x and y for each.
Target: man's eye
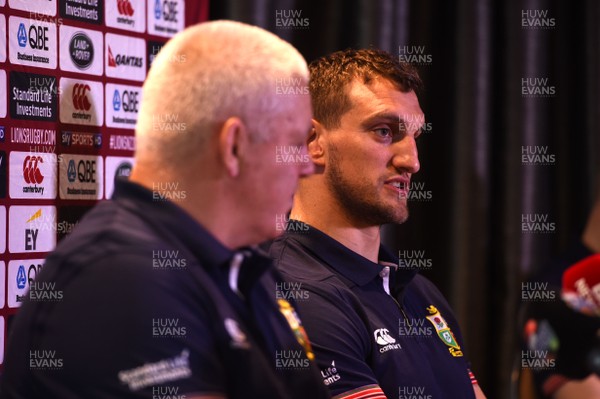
(383, 132)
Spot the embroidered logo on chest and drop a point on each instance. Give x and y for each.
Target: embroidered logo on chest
(443, 331)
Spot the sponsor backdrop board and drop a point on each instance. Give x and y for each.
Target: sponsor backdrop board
(71, 76)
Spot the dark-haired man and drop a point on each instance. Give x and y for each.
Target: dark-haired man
(377, 331)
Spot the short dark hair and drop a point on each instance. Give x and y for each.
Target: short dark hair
(330, 76)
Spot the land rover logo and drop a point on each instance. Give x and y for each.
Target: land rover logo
(123, 170)
(81, 50)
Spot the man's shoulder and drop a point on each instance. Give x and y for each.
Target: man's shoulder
(300, 266)
(424, 289)
(293, 259)
(109, 221)
(105, 231)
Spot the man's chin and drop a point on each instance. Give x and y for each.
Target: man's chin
(400, 216)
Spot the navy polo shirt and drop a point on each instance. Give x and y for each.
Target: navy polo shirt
(375, 329)
(152, 306)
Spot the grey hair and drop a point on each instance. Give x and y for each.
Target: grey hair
(206, 74)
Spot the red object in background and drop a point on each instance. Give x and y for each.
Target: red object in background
(581, 286)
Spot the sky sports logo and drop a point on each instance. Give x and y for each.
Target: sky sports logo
(34, 43)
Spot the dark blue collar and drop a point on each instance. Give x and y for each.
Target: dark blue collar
(172, 221)
(343, 260)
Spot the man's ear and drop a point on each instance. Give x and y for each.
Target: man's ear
(233, 140)
(316, 143)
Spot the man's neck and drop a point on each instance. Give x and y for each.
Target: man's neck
(212, 212)
(364, 240)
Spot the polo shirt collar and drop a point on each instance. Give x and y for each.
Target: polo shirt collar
(172, 220)
(346, 262)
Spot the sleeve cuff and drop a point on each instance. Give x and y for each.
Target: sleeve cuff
(364, 392)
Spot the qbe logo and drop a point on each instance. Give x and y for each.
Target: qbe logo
(3, 236)
(81, 177)
(85, 11)
(2, 38)
(32, 175)
(3, 90)
(45, 7)
(81, 102)
(31, 229)
(122, 105)
(81, 50)
(32, 96)
(125, 57)
(32, 42)
(165, 17)
(116, 168)
(21, 273)
(126, 14)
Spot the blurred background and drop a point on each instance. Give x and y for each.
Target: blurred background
(509, 155)
(510, 150)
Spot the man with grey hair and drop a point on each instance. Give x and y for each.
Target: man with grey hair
(155, 299)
